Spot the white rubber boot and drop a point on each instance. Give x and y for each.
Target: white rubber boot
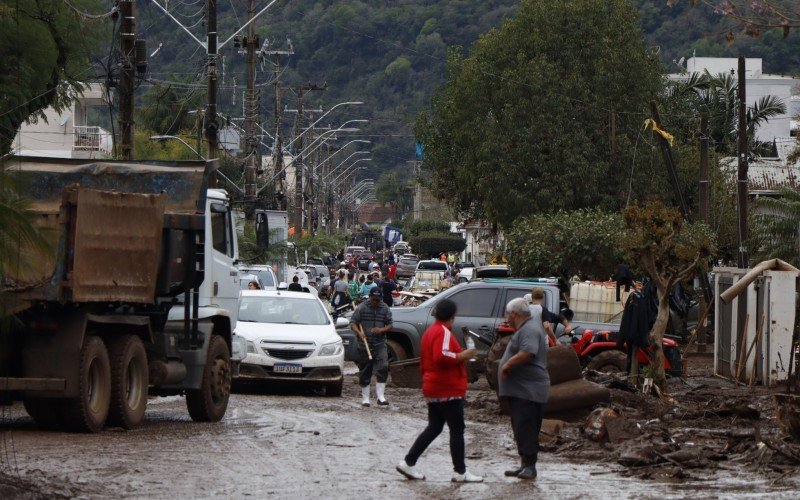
(380, 389)
(365, 396)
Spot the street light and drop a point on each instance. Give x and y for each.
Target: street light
(347, 169)
(320, 119)
(349, 143)
(309, 149)
(342, 163)
(165, 137)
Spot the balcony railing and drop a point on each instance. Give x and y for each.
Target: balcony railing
(88, 138)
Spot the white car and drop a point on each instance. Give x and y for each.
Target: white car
(291, 338)
(265, 273)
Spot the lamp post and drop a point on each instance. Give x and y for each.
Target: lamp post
(320, 119)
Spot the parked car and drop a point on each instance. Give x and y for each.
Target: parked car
(407, 266)
(466, 271)
(245, 278)
(291, 339)
(401, 247)
(364, 259)
(432, 265)
(349, 252)
(481, 308)
(265, 273)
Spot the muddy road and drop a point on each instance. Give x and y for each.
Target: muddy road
(301, 445)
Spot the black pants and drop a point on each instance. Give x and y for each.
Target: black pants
(526, 420)
(627, 282)
(379, 364)
(451, 412)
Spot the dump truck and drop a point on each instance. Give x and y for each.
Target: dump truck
(136, 298)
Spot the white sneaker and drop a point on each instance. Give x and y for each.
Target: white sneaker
(410, 471)
(466, 477)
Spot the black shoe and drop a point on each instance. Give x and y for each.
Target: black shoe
(513, 472)
(383, 403)
(527, 473)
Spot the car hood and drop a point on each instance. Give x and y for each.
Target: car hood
(321, 334)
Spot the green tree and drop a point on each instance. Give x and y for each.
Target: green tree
(21, 243)
(776, 228)
(565, 243)
(669, 251)
(397, 191)
(718, 96)
(522, 124)
(45, 59)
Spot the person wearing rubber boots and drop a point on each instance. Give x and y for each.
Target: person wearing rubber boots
(525, 383)
(375, 318)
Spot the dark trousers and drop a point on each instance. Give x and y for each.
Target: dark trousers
(379, 364)
(626, 282)
(526, 420)
(451, 412)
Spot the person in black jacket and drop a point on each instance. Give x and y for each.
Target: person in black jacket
(623, 277)
(637, 319)
(295, 285)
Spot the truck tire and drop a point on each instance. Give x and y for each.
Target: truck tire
(395, 351)
(88, 411)
(46, 412)
(129, 381)
(209, 402)
(612, 361)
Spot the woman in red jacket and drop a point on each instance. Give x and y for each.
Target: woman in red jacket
(444, 385)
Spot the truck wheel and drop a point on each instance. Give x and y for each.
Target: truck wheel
(87, 412)
(129, 381)
(209, 402)
(45, 411)
(609, 361)
(334, 390)
(396, 352)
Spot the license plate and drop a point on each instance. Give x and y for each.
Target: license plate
(288, 368)
(345, 342)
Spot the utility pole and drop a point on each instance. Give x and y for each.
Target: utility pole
(741, 181)
(212, 126)
(279, 190)
(253, 158)
(612, 118)
(299, 161)
(127, 75)
(704, 183)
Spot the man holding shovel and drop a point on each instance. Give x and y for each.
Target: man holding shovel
(371, 321)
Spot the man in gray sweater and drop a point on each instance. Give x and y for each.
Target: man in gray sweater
(525, 382)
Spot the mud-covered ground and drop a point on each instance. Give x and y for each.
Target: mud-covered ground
(302, 445)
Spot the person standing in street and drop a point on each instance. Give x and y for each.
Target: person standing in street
(295, 285)
(525, 382)
(367, 286)
(375, 318)
(444, 385)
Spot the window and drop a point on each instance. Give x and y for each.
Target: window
(221, 229)
(282, 310)
(513, 293)
(475, 303)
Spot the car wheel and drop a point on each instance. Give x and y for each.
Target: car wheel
(609, 361)
(87, 411)
(334, 390)
(396, 351)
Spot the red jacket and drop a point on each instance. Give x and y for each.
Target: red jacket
(443, 375)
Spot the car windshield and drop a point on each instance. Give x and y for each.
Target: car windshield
(282, 310)
(408, 262)
(264, 276)
(432, 264)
